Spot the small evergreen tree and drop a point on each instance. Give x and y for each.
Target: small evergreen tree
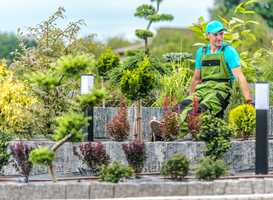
(149, 13)
(236, 98)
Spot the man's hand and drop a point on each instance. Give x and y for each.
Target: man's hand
(250, 102)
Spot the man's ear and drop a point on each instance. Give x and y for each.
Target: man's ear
(207, 35)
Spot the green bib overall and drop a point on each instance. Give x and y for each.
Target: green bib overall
(213, 92)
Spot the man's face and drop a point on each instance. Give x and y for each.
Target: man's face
(216, 39)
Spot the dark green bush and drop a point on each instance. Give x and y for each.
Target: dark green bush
(210, 169)
(4, 155)
(177, 166)
(113, 173)
(216, 135)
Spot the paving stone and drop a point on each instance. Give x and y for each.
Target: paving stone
(255, 198)
(122, 190)
(232, 187)
(96, 191)
(181, 189)
(77, 190)
(219, 187)
(245, 186)
(53, 191)
(149, 189)
(208, 188)
(2, 191)
(268, 183)
(258, 186)
(30, 191)
(169, 189)
(12, 191)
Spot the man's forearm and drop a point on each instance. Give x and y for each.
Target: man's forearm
(194, 83)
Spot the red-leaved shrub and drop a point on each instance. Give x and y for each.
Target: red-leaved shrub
(119, 127)
(170, 125)
(92, 155)
(20, 154)
(135, 153)
(193, 120)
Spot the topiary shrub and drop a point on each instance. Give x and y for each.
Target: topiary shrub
(42, 156)
(107, 62)
(216, 135)
(176, 57)
(193, 120)
(119, 127)
(177, 166)
(136, 155)
(20, 158)
(92, 155)
(113, 173)
(170, 125)
(243, 119)
(210, 169)
(5, 137)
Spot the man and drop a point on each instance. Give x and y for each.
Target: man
(217, 66)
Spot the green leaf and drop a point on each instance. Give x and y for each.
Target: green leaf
(207, 42)
(199, 44)
(236, 44)
(232, 21)
(243, 54)
(235, 35)
(238, 25)
(247, 41)
(201, 20)
(253, 36)
(250, 2)
(200, 35)
(204, 26)
(238, 20)
(245, 32)
(252, 12)
(195, 29)
(254, 22)
(223, 19)
(229, 37)
(240, 9)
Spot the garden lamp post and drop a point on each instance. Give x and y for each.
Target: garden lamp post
(262, 107)
(87, 84)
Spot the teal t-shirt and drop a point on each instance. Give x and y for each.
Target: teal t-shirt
(230, 54)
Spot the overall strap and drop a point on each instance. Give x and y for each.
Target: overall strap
(224, 47)
(204, 49)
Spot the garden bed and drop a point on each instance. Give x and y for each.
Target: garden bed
(240, 157)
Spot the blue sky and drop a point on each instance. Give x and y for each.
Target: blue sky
(106, 18)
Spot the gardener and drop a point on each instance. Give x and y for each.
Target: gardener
(217, 66)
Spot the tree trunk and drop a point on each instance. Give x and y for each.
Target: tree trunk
(147, 47)
(135, 130)
(139, 119)
(51, 172)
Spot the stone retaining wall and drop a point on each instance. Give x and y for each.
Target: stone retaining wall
(147, 112)
(96, 190)
(240, 157)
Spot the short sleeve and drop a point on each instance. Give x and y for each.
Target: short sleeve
(232, 57)
(198, 58)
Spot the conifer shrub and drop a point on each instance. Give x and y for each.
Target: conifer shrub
(119, 127)
(243, 119)
(5, 137)
(20, 158)
(136, 155)
(193, 120)
(92, 155)
(236, 98)
(170, 125)
(42, 156)
(113, 173)
(107, 61)
(216, 135)
(177, 166)
(210, 169)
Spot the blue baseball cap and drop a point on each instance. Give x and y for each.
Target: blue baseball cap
(214, 27)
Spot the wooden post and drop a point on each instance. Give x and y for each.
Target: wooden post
(102, 85)
(139, 119)
(135, 129)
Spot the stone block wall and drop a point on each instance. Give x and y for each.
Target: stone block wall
(239, 158)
